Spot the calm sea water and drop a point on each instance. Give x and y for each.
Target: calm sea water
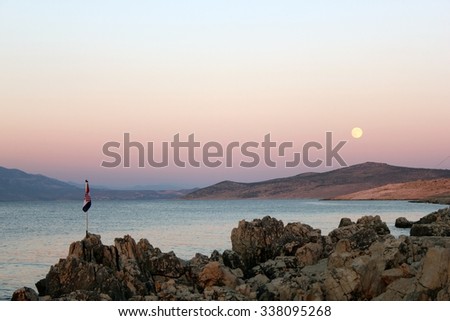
(34, 235)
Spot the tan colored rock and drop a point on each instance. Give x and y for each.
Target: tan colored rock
(342, 256)
(264, 239)
(309, 254)
(398, 290)
(216, 274)
(391, 275)
(166, 264)
(126, 249)
(435, 270)
(343, 246)
(257, 241)
(362, 234)
(341, 284)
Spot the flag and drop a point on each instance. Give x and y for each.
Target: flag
(87, 198)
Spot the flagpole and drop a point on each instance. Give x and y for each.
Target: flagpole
(87, 222)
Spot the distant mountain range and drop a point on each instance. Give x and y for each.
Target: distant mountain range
(363, 181)
(17, 185)
(325, 185)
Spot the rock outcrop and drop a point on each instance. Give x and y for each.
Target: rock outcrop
(434, 224)
(25, 294)
(268, 261)
(403, 222)
(264, 239)
(361, 234)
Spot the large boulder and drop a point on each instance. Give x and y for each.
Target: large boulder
(257, 241)
(264, 239)
(434, 224)
(363, 233)
(403, 222)
(232, 260)
(435, 269)
(25, 294)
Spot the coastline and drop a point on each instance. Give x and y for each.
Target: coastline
(268, 261)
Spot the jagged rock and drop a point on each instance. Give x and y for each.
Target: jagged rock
(278, 267)
(363, 238)
(397, 290)
(257, 241)
(309, 254)
(117, 271)
(434, 224)
(433, 229)
(216, 274)
(301, 233)
(195, 266)
(166, 264)
(341, 285)
(215, 256)
(291, 248)
(73, 274)
(375, 223)
(261, 240)
(442, 215)
(390, 275)
(345, 221)
(232, 260)
(435, 270)
(362, 234)
(402, 222)
(25, 294)
(340, 280)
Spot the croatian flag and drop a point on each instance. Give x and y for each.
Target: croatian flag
(87, 198)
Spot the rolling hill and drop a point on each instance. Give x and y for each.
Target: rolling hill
(325, 185)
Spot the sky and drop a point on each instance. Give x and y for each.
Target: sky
(76, 75)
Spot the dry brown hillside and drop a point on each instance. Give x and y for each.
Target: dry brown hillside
(416, 190)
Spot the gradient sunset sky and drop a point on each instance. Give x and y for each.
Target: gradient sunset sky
(75, 75)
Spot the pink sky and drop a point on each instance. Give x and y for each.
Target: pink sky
(73, 78)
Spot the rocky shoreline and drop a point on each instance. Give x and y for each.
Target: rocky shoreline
(268, 261)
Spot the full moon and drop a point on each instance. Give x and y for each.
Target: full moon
(357, 132)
